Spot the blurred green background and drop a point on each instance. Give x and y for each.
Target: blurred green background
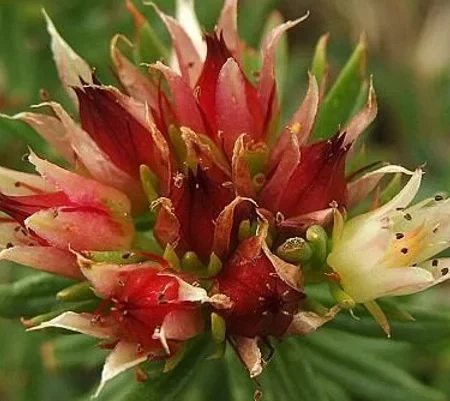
(409, 57)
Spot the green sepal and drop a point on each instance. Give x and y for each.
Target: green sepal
(319, 67)
(77, 292)
(82, 306)
(340, 100)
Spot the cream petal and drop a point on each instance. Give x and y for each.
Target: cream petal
(185, 13)
(361, 187)
(385, 282)
(360, 235)
(79, 322)
(402, 199)
(306, 322)
(188, 292)
(17, 183)
(44, 258)
(71, 67)
(11, 233)
(123, 357)
(250, 354)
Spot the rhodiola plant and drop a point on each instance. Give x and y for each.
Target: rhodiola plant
(209, 238)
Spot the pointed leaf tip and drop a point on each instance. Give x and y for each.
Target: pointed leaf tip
(72, 69)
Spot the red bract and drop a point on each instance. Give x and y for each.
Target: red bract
(310, 183)
(263, 304)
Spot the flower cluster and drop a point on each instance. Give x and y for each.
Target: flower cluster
(187, 209)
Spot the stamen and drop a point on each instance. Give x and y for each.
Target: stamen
(438, 198)
(404, 251)
(399, 235)
(407, 216)
(434, 263)
(444, 271)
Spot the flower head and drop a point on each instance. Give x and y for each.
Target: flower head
(63, 211)
(389, 251)
(147, 311)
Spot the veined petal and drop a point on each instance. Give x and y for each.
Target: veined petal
(301, 123)
(237, 108)
(16, 183)
(79, 322)
(267, 83)
(139, 86)
(187, 44)
(185, 104)
(72, 69)
(44, 258)
(361, 187)
(79, 189)
(82, 228)
(123, 129)
(97, 162)
(280, 176)
(124, 356)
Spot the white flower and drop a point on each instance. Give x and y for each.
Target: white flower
(389, 251)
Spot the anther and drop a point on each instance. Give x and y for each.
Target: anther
(434, 263)
(399, 235)
(444, 271)
(404, 251)
(126, 255)
(9, 245)
(438, 198)
(407, 216)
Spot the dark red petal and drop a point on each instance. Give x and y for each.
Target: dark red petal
(237, 107)
(318, 180)
(216, 57)
(197, 201)
(263, 303)
(117, 132)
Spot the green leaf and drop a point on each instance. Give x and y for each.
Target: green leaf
(31, 295)
(76, 350)
(359, 370)
(304, 384)
(319, 65)
(342, 97)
